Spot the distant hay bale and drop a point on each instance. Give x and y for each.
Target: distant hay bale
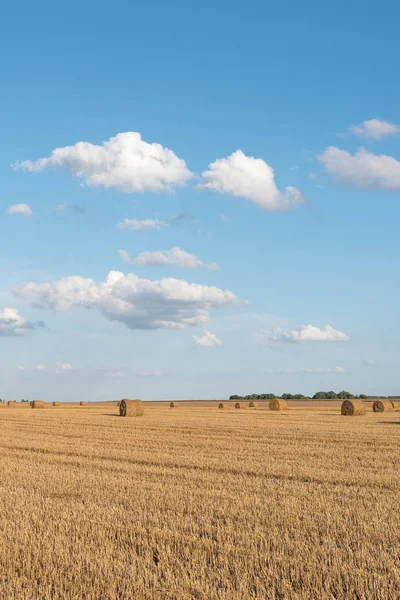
(239, 405)
(131, 408)
(395, 405)
(382, 406)
(11, 403)
(253, 404)
(353, 408)
(56, 403)
(222, 405)
(82, 403)
(173, 404)
(277, 404)
(38, 404)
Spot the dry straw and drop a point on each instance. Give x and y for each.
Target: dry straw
(382, 406)
(353, 408)
(131, 408)
(277, 404)
(222, 405)
(239, 405)
(56, 404)
(173, 404)
(395, 405)
(38, 404)
(253, 404)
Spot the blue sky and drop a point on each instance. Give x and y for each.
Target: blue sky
(308, 91)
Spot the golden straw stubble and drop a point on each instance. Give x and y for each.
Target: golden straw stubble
(277, 404)
(382, 406)
(131, 408)
(353, 408)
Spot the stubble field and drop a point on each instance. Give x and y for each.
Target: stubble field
(201, 503)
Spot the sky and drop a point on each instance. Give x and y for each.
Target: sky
(199, 199)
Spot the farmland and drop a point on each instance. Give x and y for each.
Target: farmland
(196, 502)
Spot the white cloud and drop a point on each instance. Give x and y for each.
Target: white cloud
(208, 340)
(14, 324)
(124, 162)
(149, 373)
(315, 370)
(310, 333)
(20, 209)
(250, 178)
(64, 207)
(142, 225)
(223, 217)
(375, 129)
(137, 303)
(64, 368)
(175, 256)
(38, 368)
(369, 363)
(363, 169)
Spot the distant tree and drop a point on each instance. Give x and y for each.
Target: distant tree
(363, 396)
(343, 395)
(235, 397)
(320, 396)
(286, 396)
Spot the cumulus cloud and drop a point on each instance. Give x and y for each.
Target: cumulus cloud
(250, 178)
(207, 340)
(38, 368)
(149, 373)
(315, 370)
(142, 225)
(64, 207)
(63, 368)
(124, 162)
(14, 324)
(369, 363)
(363, 169)
(375, 129)
(175, 256)
(137, 303)
(20, 209)
(310, 333)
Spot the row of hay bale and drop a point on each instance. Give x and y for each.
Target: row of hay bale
(42, 404)
(355, 408)
(272, 405)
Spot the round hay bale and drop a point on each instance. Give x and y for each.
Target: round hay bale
(11, 403)
(253, 404)
(83, 403)
(222, 405)
(239, 405)
(353, 408)
(173, 404)
(56, 403)
(395, 405)
(277, 404)
(382, 406)
(38, 404)
(131, 408)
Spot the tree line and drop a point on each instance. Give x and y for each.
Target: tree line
(343, 395)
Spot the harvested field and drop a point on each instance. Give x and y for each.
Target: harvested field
(199, 503)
